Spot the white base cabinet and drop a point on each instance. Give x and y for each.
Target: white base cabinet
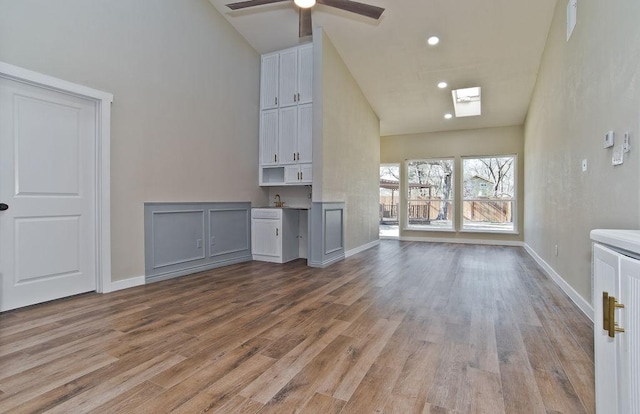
(274, 234)
(616, 300)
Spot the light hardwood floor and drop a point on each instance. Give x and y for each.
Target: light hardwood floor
(401, 328)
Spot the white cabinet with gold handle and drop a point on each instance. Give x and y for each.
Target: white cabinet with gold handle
(616, 300)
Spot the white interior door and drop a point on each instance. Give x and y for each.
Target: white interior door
(47, 180)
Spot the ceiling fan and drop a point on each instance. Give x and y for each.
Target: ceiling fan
(304, 6)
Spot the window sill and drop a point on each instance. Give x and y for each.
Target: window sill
(430, 230)
(514, 232)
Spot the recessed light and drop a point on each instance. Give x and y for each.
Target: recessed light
(448, 116)
(433, 40)
(442, 85)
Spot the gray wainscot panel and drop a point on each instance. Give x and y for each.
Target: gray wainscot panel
(185, 238)
(326, 233)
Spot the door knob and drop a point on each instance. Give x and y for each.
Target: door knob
(4, 207)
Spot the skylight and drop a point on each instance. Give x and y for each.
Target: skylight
(466, 102)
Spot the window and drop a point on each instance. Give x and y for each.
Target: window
(389, 200)
(489, 194)
(430, 191)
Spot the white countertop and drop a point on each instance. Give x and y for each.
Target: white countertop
(628, 240)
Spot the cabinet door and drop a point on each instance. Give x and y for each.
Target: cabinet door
(266, 237)
(629, 341)
(305, 133)
(305, 73)
(605, 279)
(288, 88)
(269, 137)
(287, 136)
(291, 174)
(269, 81)
(306, 173)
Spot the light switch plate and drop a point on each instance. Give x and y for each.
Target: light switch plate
(608, 139)
(618, 155)
(626, 144)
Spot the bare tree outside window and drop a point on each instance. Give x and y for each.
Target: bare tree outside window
(489, 193)
(430, 192)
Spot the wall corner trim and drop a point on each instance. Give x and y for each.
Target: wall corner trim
(124, 284)
(575, 297)
(361, 248)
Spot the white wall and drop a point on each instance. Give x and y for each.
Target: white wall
(185, 111)
(348, 159)
(585, 87)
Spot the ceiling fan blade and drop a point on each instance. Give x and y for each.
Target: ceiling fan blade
(304, 25)
(251, 3)
(353, 6)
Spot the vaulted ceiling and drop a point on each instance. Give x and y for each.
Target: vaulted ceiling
(494, 44)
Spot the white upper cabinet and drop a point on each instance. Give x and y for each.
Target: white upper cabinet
(269, 81)
(305, 74)
(269, 137)
(286, 116)
(288, 89)
(305, 128)
(287, 137)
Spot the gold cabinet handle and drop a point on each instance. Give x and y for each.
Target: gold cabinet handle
(298, 96)
(276, 231)
(605, 311)
(613, 325)
(276, 100)
(275, 157)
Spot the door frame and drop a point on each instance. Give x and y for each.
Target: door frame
(102, 158)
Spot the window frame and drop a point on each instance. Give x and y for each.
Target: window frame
(514, 199)
(452, 196)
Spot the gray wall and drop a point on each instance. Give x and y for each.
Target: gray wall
(185, 111)
(585, 87)
(346, 153)
(486, 141)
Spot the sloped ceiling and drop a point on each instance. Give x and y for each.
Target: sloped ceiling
(495, 44)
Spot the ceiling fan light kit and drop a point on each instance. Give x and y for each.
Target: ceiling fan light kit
(305, 4)
(305, 25)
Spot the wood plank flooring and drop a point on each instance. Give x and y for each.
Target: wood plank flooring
(401, 328)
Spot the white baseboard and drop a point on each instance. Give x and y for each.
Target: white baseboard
(124, 284)
(362, 248)
(463, 241)
(580, 302)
